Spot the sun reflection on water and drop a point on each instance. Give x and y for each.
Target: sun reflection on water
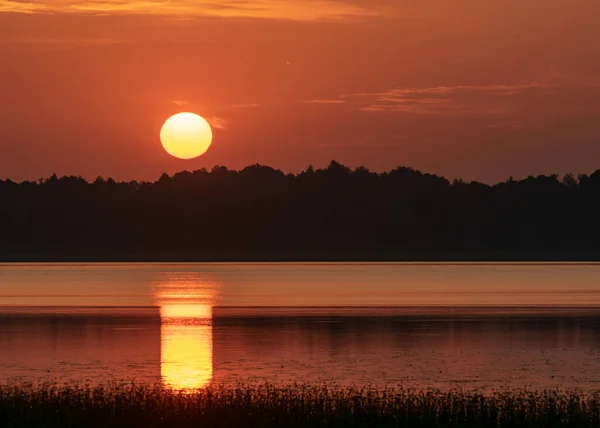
(186, 301)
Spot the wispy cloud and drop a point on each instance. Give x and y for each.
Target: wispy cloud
(65, 42)
(324, 102)
(217, 122)
(513, 107)
(359, 144)
(235, 106)
(22, 7)
(115, 6)
(460, 99)
(300, 10)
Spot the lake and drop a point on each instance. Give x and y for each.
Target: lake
(419, 325)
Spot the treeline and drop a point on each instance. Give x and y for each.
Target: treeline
(333, 213)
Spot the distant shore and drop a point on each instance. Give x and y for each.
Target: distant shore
(191, 257)
(259, 214)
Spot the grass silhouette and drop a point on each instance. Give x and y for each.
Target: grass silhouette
(294, 406)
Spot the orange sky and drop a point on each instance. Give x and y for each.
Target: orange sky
(463, 88)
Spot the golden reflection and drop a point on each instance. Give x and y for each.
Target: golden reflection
(186, 301)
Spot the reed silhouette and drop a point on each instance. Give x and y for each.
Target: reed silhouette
(295, 406)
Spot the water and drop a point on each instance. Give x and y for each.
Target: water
(477, 326)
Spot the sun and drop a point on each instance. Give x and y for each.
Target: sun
(186, 135)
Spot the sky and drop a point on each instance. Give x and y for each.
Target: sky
(480, 90)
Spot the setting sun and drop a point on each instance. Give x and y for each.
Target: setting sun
(186, 135)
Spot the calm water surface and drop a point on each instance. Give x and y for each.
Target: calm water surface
(417, 325)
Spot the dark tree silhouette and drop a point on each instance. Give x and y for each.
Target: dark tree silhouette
(335, 213)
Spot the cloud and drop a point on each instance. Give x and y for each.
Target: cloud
(66, 42)
(324, 102)
(22, 7)
(481, 99)
(460, 99)
(115, 6)
(247, 105)
(512, 107)
(298, 10)
(363, 143)
(217, 122)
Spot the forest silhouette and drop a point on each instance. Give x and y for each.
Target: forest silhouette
(334, 213)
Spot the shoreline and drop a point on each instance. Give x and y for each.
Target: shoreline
(398, 257)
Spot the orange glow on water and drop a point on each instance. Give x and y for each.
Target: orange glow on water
(185, 301)
(186, 311)
(186, 358)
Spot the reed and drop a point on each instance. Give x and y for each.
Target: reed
(133, 405)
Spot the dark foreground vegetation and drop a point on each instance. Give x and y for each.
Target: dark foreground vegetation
(334, 213)
(296, 406)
